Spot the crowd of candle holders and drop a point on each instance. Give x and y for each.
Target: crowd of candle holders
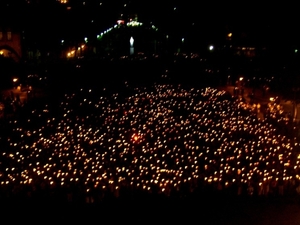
(165, 140)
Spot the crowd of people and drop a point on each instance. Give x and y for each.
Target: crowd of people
(162, 139)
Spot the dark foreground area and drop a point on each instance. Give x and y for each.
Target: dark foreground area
(206, 210)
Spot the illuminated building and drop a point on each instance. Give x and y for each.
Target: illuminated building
(10, 43)
(240, 44)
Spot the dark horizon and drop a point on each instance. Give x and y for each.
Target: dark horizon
(276, 24)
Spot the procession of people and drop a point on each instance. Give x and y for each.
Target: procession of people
(163, 139)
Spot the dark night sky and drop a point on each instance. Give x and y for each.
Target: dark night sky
(272, 23)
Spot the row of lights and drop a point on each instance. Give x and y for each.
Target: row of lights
(72, 53)
(129, 24)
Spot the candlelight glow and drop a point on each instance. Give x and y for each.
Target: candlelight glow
(162, 138)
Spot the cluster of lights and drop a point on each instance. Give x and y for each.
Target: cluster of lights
(72, 53)
(134, 24)
(120, 22)
(164, 137)
(99, 36)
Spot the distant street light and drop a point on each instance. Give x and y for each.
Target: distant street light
(15, 80)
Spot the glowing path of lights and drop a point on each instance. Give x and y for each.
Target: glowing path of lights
(161, 139)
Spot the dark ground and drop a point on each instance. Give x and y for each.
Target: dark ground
(206, 210)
